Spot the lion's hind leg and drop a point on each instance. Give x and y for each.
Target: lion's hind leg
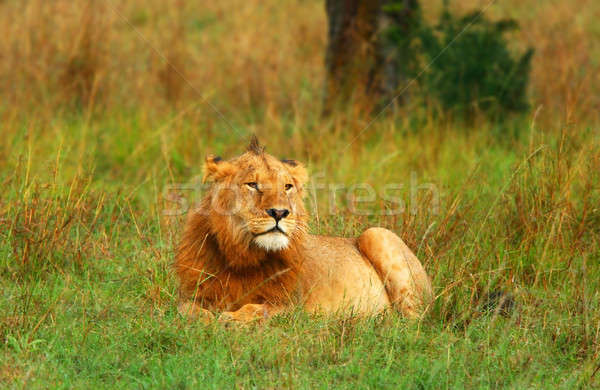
(405, 280)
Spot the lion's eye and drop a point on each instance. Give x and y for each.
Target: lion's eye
(253, 185)
(288, 187)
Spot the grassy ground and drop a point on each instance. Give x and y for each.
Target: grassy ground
(97, 130)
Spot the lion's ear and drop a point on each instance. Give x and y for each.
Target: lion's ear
(297, 171)
(216, 169)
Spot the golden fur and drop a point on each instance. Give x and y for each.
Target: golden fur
(236, 257)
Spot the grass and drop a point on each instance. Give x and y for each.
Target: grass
(95, 131)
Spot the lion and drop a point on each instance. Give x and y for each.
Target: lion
(246, 251)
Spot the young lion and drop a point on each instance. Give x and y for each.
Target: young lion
(246, 251)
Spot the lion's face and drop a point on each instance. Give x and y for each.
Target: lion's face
(258, 198)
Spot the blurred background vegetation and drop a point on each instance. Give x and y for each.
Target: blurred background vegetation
(105, 104)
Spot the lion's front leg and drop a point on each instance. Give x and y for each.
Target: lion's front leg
(250, 312)
(194, 311)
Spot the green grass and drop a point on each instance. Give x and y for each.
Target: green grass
(95, 126)
(89, 301)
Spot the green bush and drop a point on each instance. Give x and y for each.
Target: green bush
(464, 63)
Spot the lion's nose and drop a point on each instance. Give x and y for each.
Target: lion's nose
(278, 214)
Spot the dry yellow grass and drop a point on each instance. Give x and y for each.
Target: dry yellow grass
(246, 55)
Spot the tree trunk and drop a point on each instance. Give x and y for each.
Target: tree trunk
(361, 64)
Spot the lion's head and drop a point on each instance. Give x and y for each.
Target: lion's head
(255, 200)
